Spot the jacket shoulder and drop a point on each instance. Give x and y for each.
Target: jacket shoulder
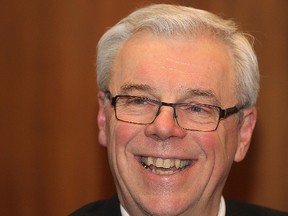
(236, 208)
(109, 207)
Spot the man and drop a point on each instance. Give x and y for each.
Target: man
(178, 88)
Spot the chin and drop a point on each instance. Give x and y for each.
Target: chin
(160, 206)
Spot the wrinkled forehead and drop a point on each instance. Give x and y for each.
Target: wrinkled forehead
(172, 65)
(145, 37)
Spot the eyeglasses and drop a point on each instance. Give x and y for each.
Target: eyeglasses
(189, 116)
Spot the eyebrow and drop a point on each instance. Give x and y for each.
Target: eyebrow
(128, 87)
(186, 93)
(202, 93)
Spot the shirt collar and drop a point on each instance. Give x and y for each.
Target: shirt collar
(222, 207)
(221, 212)
(123, 211)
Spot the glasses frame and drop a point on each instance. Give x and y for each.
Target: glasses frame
(223, 113)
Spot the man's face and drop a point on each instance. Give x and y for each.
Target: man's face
(173, 70)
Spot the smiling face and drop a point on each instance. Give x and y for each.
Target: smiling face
(160, 168)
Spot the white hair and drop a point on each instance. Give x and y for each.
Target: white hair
(172, 20)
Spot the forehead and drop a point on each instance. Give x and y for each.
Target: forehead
(173, 66)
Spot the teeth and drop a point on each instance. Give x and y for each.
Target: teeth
(167, 163)
(149, 161)
(164, 166)
(177, 163)
(159, 162)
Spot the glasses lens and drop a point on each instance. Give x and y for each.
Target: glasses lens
(134, 109)
(197, 116)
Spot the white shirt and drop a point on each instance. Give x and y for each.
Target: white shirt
(221, 212)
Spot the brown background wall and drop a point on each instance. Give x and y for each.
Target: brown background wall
(50, 163)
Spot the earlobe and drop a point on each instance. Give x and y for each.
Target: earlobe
(101, 119)
(246, 131)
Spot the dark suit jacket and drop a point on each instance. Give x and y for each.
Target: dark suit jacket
(111, 207)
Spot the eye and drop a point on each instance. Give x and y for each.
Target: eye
(198, 109)
(136, 101)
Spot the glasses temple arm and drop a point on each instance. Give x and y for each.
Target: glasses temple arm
(224, 113)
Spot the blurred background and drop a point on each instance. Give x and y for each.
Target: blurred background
(50, 162)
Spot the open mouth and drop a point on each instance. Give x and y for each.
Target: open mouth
(164, 166)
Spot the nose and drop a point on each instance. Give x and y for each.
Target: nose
(165, 125)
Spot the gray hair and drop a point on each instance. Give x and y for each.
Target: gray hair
(172, 20)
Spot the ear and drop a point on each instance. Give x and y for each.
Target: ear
(246, 130)
(101, 119)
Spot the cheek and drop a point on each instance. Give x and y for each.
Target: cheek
(208, 142)
(117, 137)
(218, 150)
(120, 136)
(222, 142)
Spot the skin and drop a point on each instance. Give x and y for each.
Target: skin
(172, 70)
